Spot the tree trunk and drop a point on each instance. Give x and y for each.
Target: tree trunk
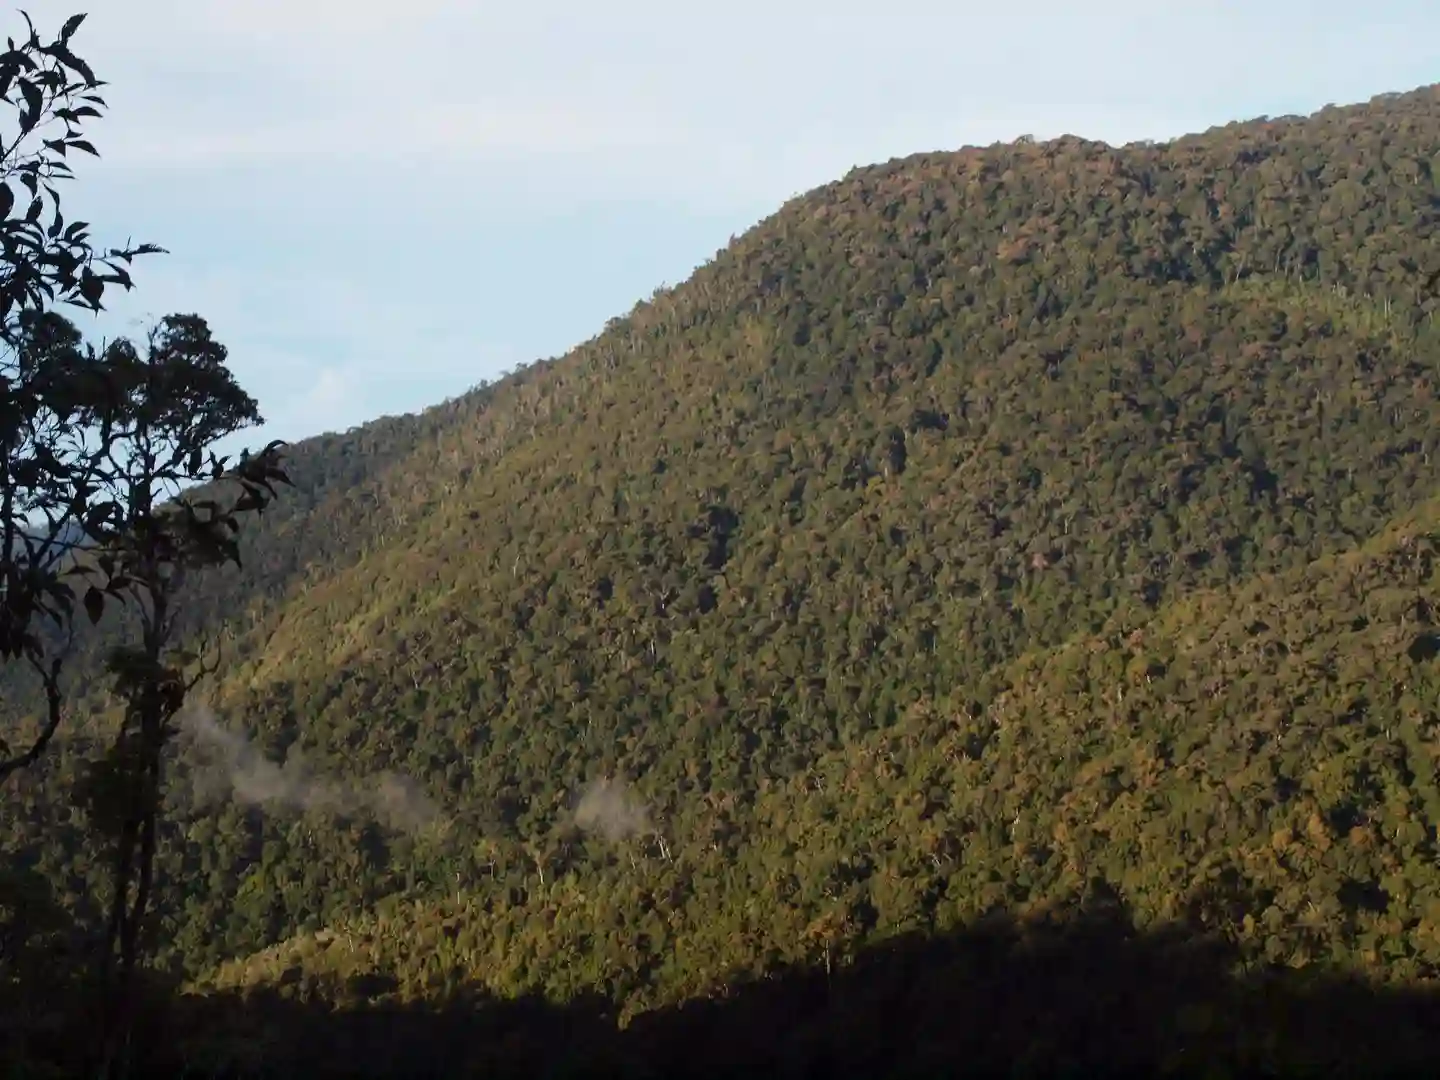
(147, 714)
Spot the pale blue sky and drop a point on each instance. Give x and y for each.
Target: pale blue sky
(377, 205)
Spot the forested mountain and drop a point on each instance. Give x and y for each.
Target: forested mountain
(980, 534)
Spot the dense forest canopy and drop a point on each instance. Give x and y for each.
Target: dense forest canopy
(981, 531)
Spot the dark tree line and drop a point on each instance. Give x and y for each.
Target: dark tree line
(99, 450)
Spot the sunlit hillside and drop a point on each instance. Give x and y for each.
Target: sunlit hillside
(979, 531)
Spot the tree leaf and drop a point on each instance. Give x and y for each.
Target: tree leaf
(94, 603)
(91, 288)
(30, 115)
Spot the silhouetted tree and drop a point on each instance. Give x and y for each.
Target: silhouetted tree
(97, 447)
(56, 406)
(179, 399)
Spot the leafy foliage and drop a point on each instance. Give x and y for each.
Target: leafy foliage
(95, 446)
(56, 406)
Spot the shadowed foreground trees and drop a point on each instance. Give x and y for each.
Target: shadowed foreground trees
(1083, 993)
(96, 448)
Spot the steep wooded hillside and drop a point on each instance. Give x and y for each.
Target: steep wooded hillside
(977, 527)
(1295, 835)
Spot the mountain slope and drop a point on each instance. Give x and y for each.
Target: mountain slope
(1300, 832)
(805, 531)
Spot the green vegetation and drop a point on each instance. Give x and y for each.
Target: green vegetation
(980, 535)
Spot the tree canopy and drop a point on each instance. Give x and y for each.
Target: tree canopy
(979, 531)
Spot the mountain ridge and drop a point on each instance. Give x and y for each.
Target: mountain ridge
(878, 500)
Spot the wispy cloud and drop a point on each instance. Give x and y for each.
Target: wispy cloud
(607, 806)
(231, 765)
(319, 353)
(475, 131)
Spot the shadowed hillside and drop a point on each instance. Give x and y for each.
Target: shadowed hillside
(1080, 993)
(976, 526)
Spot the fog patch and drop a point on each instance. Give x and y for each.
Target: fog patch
(608, 807)
(232, 766)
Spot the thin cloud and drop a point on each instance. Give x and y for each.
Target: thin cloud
(436, 130)
(318, 352)
(233, 766)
